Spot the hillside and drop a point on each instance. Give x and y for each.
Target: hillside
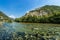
(45, 14)
(4, 18)
(45, 10)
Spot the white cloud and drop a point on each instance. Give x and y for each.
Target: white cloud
(12, 16)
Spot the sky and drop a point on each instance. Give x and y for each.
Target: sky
(18, 8)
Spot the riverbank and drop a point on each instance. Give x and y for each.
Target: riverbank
(35, 23)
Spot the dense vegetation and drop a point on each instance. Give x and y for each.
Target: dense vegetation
(50, 14)
(4, 18)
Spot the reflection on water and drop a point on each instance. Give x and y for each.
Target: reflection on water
(29, 31)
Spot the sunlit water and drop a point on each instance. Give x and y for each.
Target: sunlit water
(7, 29)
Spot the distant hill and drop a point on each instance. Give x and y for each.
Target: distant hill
(4, 18)
(45, 14)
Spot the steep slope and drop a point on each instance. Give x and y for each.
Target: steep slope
(45, 14)
(4, 18)
(45, 10)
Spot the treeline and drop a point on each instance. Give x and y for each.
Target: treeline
(55, 18)
(52, 16)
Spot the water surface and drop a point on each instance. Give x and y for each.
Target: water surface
(7, 30)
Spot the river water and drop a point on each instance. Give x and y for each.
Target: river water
(8, 31)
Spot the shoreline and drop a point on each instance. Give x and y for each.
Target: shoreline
(38, 23)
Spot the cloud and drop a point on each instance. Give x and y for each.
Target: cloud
(12, 16)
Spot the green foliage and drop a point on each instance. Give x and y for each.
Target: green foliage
(52, 16)
(34, 19)
(55, 18)
(4, 18)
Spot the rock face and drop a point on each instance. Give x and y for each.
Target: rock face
(45, 10)
(45, 14)
(35, 13)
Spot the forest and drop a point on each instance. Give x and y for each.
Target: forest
(50, 14)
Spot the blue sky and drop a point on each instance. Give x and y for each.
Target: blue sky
(17, 8)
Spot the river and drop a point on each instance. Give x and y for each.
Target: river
(10, 31)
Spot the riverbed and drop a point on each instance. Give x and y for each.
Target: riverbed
(31, 31)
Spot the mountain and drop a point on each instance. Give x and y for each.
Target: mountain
(45, 10)
(4, 18)
(45, 14)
